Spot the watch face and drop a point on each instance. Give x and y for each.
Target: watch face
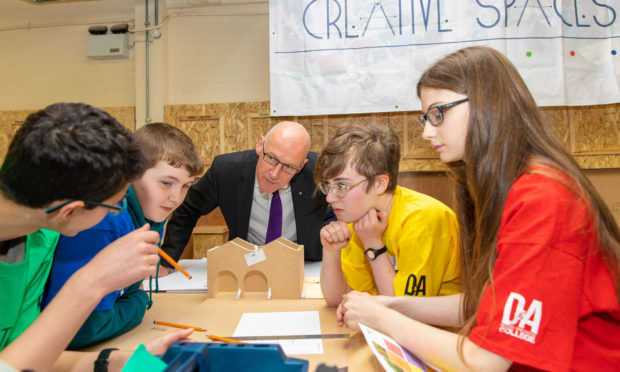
(371, 254)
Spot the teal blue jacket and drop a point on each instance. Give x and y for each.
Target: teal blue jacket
(119, 311)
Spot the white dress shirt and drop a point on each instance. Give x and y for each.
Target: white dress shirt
(259, 216)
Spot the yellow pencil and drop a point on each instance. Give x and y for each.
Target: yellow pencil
(224, 339)
(173, 263)
(178, 325)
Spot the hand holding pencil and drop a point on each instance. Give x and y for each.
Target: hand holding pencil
(172, 262)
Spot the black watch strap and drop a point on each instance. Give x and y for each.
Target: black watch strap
(101, 364)
(372, 253)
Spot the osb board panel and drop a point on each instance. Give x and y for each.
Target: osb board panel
(416, 146)
(9, 123)
(204, 242)
(125, 115)
(236, 123)
(396, 121)
(598, 161)
(173, 112)
(337, 121)
(557, 117)
(597, 128)
(234, 118)
(258, 126)
(316, 126)
(11, 120)
(204, 132)
(383, 118)
(421, 165)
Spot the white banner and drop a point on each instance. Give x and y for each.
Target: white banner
(360, 56)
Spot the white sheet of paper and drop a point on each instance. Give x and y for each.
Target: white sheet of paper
(284, 324)
(296, 347)
(178, 282)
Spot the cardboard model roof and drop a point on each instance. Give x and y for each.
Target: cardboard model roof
(238, 266)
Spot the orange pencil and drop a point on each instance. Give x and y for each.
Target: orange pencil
(173, 263)
(224, 339)
(178, 325)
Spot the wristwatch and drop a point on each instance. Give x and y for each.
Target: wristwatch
(372, 253)
(101, 364)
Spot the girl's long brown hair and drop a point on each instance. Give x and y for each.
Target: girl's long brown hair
(506, 131)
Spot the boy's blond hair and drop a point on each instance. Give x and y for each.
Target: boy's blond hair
(161, 141)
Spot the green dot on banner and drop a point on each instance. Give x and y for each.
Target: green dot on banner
(529, 54)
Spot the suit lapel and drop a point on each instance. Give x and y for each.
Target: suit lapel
(245, 192)
(298, 192)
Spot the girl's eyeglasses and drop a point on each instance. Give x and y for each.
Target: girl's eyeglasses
(434, 115)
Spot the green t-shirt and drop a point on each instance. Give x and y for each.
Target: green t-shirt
(22, 284)
(142, 360)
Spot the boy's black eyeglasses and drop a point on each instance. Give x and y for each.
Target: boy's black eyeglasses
(434, 115)
(273, 161)
(116, 209)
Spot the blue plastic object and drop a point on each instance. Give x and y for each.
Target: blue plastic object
(214, 357)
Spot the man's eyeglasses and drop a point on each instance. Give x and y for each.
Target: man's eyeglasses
(273, 161)
(434, 115)
(339, 189)
(116, 209)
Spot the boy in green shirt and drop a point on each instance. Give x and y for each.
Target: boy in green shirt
(67, 166)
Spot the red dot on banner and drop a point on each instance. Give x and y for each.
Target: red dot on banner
(572, 53)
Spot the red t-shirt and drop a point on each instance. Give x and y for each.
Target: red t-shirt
(555, 302)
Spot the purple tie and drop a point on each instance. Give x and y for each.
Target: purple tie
(274, 228)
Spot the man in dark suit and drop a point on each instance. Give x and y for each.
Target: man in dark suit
(243, 183)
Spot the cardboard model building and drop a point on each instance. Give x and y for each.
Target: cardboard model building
(276, 268)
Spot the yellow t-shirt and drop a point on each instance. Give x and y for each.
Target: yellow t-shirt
(422, 237)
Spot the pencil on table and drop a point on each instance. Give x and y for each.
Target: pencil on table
(178, 325)
(224, 339)
(173, 263)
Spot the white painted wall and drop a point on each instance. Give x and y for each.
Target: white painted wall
(210, 53)
(43, 57)
(223, 58)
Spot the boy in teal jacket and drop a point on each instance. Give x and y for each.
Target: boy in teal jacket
(173, 164)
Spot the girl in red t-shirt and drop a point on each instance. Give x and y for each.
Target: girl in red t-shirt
(539, 249)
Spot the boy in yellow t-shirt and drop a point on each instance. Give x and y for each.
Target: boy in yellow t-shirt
(388, 239)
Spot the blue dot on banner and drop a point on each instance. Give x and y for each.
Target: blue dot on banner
(613, 52)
